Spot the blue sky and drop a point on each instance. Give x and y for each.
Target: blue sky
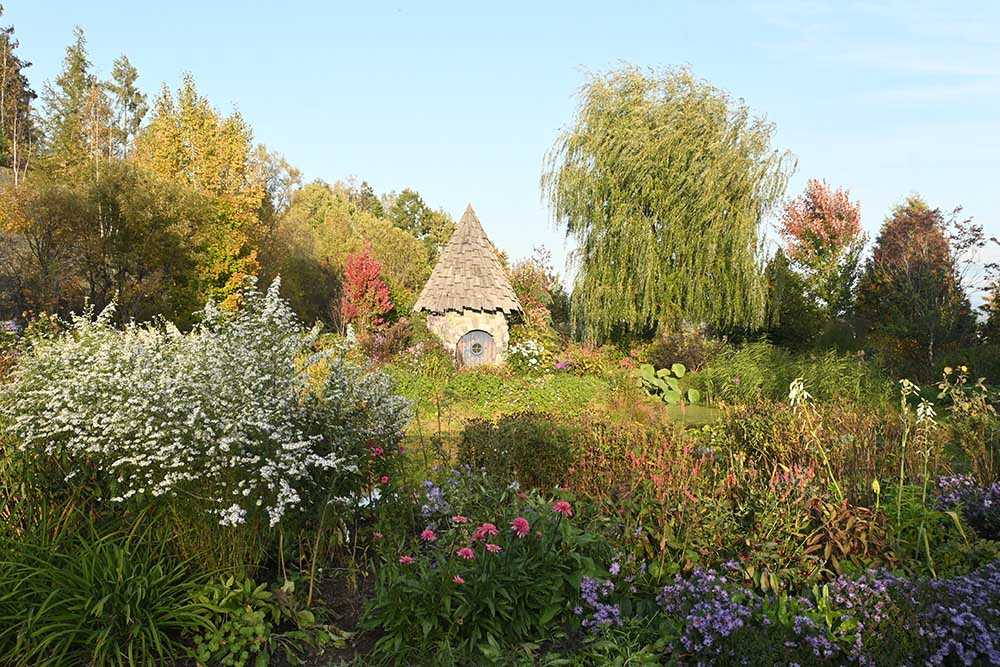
(461, 100)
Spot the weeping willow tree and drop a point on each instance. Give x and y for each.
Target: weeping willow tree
(663, 182)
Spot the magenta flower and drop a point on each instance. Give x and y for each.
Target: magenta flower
(384, 479)
(377, 452)
(458, 580)
(484, 531)
(467, 553)
(563, 507)
(520, 526)
(405, 560)
(494, 548)
(458, 518)
(428, 535)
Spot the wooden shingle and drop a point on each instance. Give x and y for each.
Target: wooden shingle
(468, 275)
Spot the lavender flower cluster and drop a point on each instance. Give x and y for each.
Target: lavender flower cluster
(436, 503)
(980, 506)
(711, 609)
(599, 611)
(929, 621)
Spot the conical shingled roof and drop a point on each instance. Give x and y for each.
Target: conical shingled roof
(468, 274)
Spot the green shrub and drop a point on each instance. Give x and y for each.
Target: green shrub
(534, 449)
(95, 600)
(250, 623)
(471, 586)
(688, 346)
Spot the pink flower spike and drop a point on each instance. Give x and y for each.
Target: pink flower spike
(428, 535)
(563, 507)
(484, 531)
(520, 526)
(467, 553)
(405, 560)
(458, 580)
(458, 518)
(494, 548)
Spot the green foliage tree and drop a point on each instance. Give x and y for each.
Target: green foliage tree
(313, 238)
(910, 297)
(190, 143)
(17, 127)
(129, 107)
(408, 211)
(663, 180)
(125, 235)
(66, 103)
(793, 319)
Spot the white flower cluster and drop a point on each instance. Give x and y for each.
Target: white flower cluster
(225, 415)
(527, 354)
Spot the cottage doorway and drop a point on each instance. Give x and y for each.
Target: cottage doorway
(475, 348)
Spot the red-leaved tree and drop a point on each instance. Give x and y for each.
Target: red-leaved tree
(823, 239)
(365, 301)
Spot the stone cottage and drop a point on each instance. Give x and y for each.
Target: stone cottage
(468, 299)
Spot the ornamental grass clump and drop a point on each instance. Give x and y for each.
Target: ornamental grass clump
(229, 423)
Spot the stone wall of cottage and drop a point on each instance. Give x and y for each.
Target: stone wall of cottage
(451, 326)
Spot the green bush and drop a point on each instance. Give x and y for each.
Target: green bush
(688, 346)
(534, 449)
(469, 587)
(248, 622)
(94, 600)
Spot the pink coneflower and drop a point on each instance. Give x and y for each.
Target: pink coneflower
(458, 580)
(521, 526)
(563, 507)
(467, 553)
(405, 560)
(377, 452)
(458, 518)
(484, 531)
(494, 548)
(384, 479)
(428, 535)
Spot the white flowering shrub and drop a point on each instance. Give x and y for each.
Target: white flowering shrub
(527, 355)
(228, 417)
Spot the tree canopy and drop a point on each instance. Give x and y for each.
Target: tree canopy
(910, 295)
(663, 180)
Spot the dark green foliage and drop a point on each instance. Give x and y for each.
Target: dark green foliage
(793, 318)
(93, 600)
(689, 346)
(251, 624)
(520, 591)
(533, 448)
